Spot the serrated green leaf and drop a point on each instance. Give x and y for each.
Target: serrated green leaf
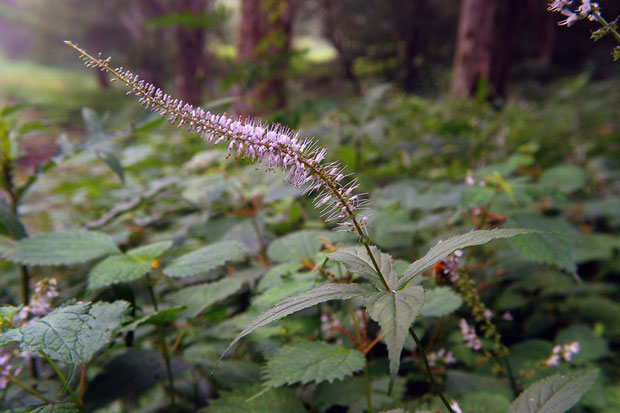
(116, 269)
(205, 259)
(544, 247)
(150, 251)
(554, 394)
(440, 301)
(282, 400)
(395, 312)
(61, 248)
(446, 247)
(7, 246)
(11, 225)
(325, 292)
(312, 362)
(71, 334)
(198, 298)
(297, 246)
(357, 260)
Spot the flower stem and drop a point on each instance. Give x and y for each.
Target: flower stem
(604, 23)
(368, 388)
(428, 370)
(163, 347)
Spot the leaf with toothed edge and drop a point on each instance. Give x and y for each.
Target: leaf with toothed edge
(446, 247)
(325, 292)
(556, 393)
(312, 362)
(71, 334)
(62, 248)
(395, 311)
(357, 260)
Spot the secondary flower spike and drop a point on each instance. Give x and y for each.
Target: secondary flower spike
(272, 144)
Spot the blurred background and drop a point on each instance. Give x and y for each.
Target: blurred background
(286, 55)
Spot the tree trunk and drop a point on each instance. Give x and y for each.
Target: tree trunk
(508, 24)
(263, 47)
(416, 15)
(191, 55)
(330, 20)
(474, 46)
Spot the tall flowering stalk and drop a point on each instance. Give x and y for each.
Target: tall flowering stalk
(274, 145)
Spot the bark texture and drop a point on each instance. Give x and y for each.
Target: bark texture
(474, 46)
(263, 51)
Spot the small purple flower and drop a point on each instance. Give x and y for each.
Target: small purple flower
(469, 335)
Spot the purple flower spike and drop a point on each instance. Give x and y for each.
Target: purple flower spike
(274, 145)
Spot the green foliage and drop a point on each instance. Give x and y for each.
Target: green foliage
(252, 398)
(556, 393)
(311, 362)
(116, 269)
(205, 259)
(448, 246)
(196, 299)
(61, 248)
(321, 294)
(555, 249)
(47, 408)
(395, 312)
(439, 302)
(357, 260)
(71, 334)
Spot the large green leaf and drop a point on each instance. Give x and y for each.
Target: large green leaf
(198, 298)
(297, 246)
(395, 312)
(205, 259)
(63, 247)
(547, 248)
(325, 292)
(116, 269)
(446, 247)
(312, 362)
(567, 178)
(71, 334)
(440, 302)
(256, 399)
(150, 251)
(554, 394)
(357, 260)
(125, 268)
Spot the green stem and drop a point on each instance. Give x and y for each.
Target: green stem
(28, 390)
(358, 335)
(604, 22)
(164, 348)
(259, 237)
(511, 377)
(62, 378)
(368, 388)
(428, 370)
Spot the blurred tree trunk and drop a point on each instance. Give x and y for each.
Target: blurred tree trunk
(145, 59)
(415, 15)
(264, 48)
(330, 20)
(192, 58)
(474, 46)
(508, 30)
